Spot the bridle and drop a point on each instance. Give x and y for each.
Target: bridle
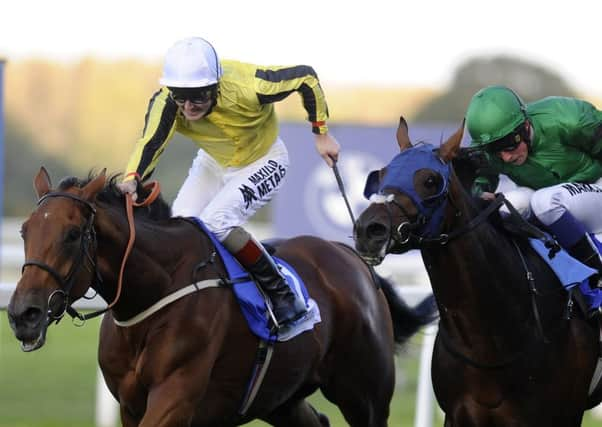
(409, 232)
(405, 233)
(87, 241)
(85, 258)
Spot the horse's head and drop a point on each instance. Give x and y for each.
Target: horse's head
(60, 249)
(408, 197)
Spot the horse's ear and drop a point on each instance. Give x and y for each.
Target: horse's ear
(450, 148)
(403, 139)
(91, 189)
(41, 182)
(373, 182)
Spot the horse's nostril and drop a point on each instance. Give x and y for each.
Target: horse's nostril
(32, 315)
(377, 231)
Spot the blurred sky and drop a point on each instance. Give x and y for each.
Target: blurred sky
(395, 42)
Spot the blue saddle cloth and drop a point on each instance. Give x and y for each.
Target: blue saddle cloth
(252, 302)
(571, 272)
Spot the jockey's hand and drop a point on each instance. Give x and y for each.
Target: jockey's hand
(328, 148)
(486, 195)
(129, 187)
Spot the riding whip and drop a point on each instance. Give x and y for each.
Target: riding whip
(337, 175)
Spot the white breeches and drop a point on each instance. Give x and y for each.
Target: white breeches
(583, 201)
(226, 197)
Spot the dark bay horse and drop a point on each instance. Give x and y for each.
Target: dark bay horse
(506, 354)
(189, 364)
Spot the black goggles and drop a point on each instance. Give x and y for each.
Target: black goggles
(196, 95)
(505, 144)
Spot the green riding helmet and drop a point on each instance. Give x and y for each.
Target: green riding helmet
(493, 113)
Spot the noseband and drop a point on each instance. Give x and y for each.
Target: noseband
(404, 232)
(85, 258)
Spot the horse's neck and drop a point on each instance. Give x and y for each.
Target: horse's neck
(162, 260)
(478, 261)
(475, 278)
(474, 265)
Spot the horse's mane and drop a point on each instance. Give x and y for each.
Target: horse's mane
(465, 167)
(112, 196)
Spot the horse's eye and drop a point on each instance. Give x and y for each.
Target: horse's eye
(73, 235)
(433, 181)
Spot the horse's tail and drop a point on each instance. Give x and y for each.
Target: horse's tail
(407, 320)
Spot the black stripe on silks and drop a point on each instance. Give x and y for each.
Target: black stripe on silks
(168, 116)
(148, 109)
(309, 101)
(268, 99)
(289, 73)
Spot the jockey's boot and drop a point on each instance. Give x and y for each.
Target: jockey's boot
(573, 236)
(585, 250)
(286, 305)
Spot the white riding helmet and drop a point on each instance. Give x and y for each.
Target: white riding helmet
(191, 62)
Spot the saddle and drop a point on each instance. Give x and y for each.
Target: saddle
(251, 300)
(515, 225)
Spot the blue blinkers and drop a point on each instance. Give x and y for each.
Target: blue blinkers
(400, 176)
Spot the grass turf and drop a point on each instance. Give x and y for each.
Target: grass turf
(55, 386)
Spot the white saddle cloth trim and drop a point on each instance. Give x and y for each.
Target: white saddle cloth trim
(306, 323)
(203, 284)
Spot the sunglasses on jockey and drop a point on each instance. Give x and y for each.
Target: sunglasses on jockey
(506, 144)
(195, 95)
(509, 142)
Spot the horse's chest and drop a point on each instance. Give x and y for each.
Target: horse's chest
(454, 382)
(486, 390)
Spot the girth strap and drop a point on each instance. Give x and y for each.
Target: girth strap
(262, 363)
(198, 286)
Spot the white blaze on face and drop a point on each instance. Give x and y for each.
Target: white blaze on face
(381, 198)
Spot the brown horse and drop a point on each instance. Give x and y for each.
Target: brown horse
(190, 363)
(506, 354)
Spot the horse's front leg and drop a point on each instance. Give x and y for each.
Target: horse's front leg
(177, 387)
(173, 402)
(127, 419)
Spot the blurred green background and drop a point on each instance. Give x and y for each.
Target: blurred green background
(55, 386)
(73, 117)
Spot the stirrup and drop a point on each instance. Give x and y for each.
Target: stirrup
(297, 307)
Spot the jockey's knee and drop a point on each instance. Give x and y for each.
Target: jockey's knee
(236, 239)
(548, 204)
(520, 198)
(218, 225)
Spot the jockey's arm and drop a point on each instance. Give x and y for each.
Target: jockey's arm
(276, 83)
(158, 129)
(582, 123)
